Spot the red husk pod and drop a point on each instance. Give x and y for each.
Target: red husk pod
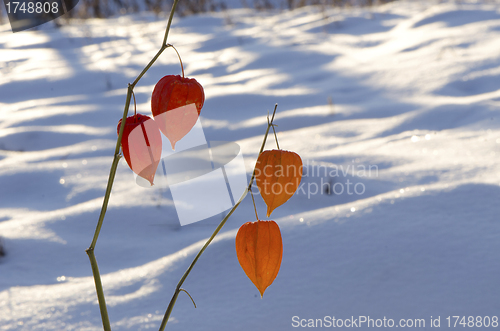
(141, 145)
(176, 104)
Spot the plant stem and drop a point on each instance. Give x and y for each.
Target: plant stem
(111, 178)
(216, 231)
(180, 60)
(135, 106)
(254, 207)
(275, 136)
(100, 294)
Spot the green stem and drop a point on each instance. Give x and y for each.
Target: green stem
(219, 227)
(112, 173)
(254, 207)
(276, 137)
(180, 60)
(164, 45)
(100, 294)
(111, 178)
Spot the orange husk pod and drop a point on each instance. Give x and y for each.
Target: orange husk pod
(277, 174)
(259, 248)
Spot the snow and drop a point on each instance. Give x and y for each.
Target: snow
(401, 100)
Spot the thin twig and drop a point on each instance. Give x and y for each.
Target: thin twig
(183, 290)
(135, 105)
(219, 227)
(100, 294)
(275, 135)
(180, 60)
(254, 207)
(111, 178)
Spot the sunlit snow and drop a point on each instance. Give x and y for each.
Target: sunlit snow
(394, 109)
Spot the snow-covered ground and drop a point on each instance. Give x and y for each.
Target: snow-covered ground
(406, 94)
